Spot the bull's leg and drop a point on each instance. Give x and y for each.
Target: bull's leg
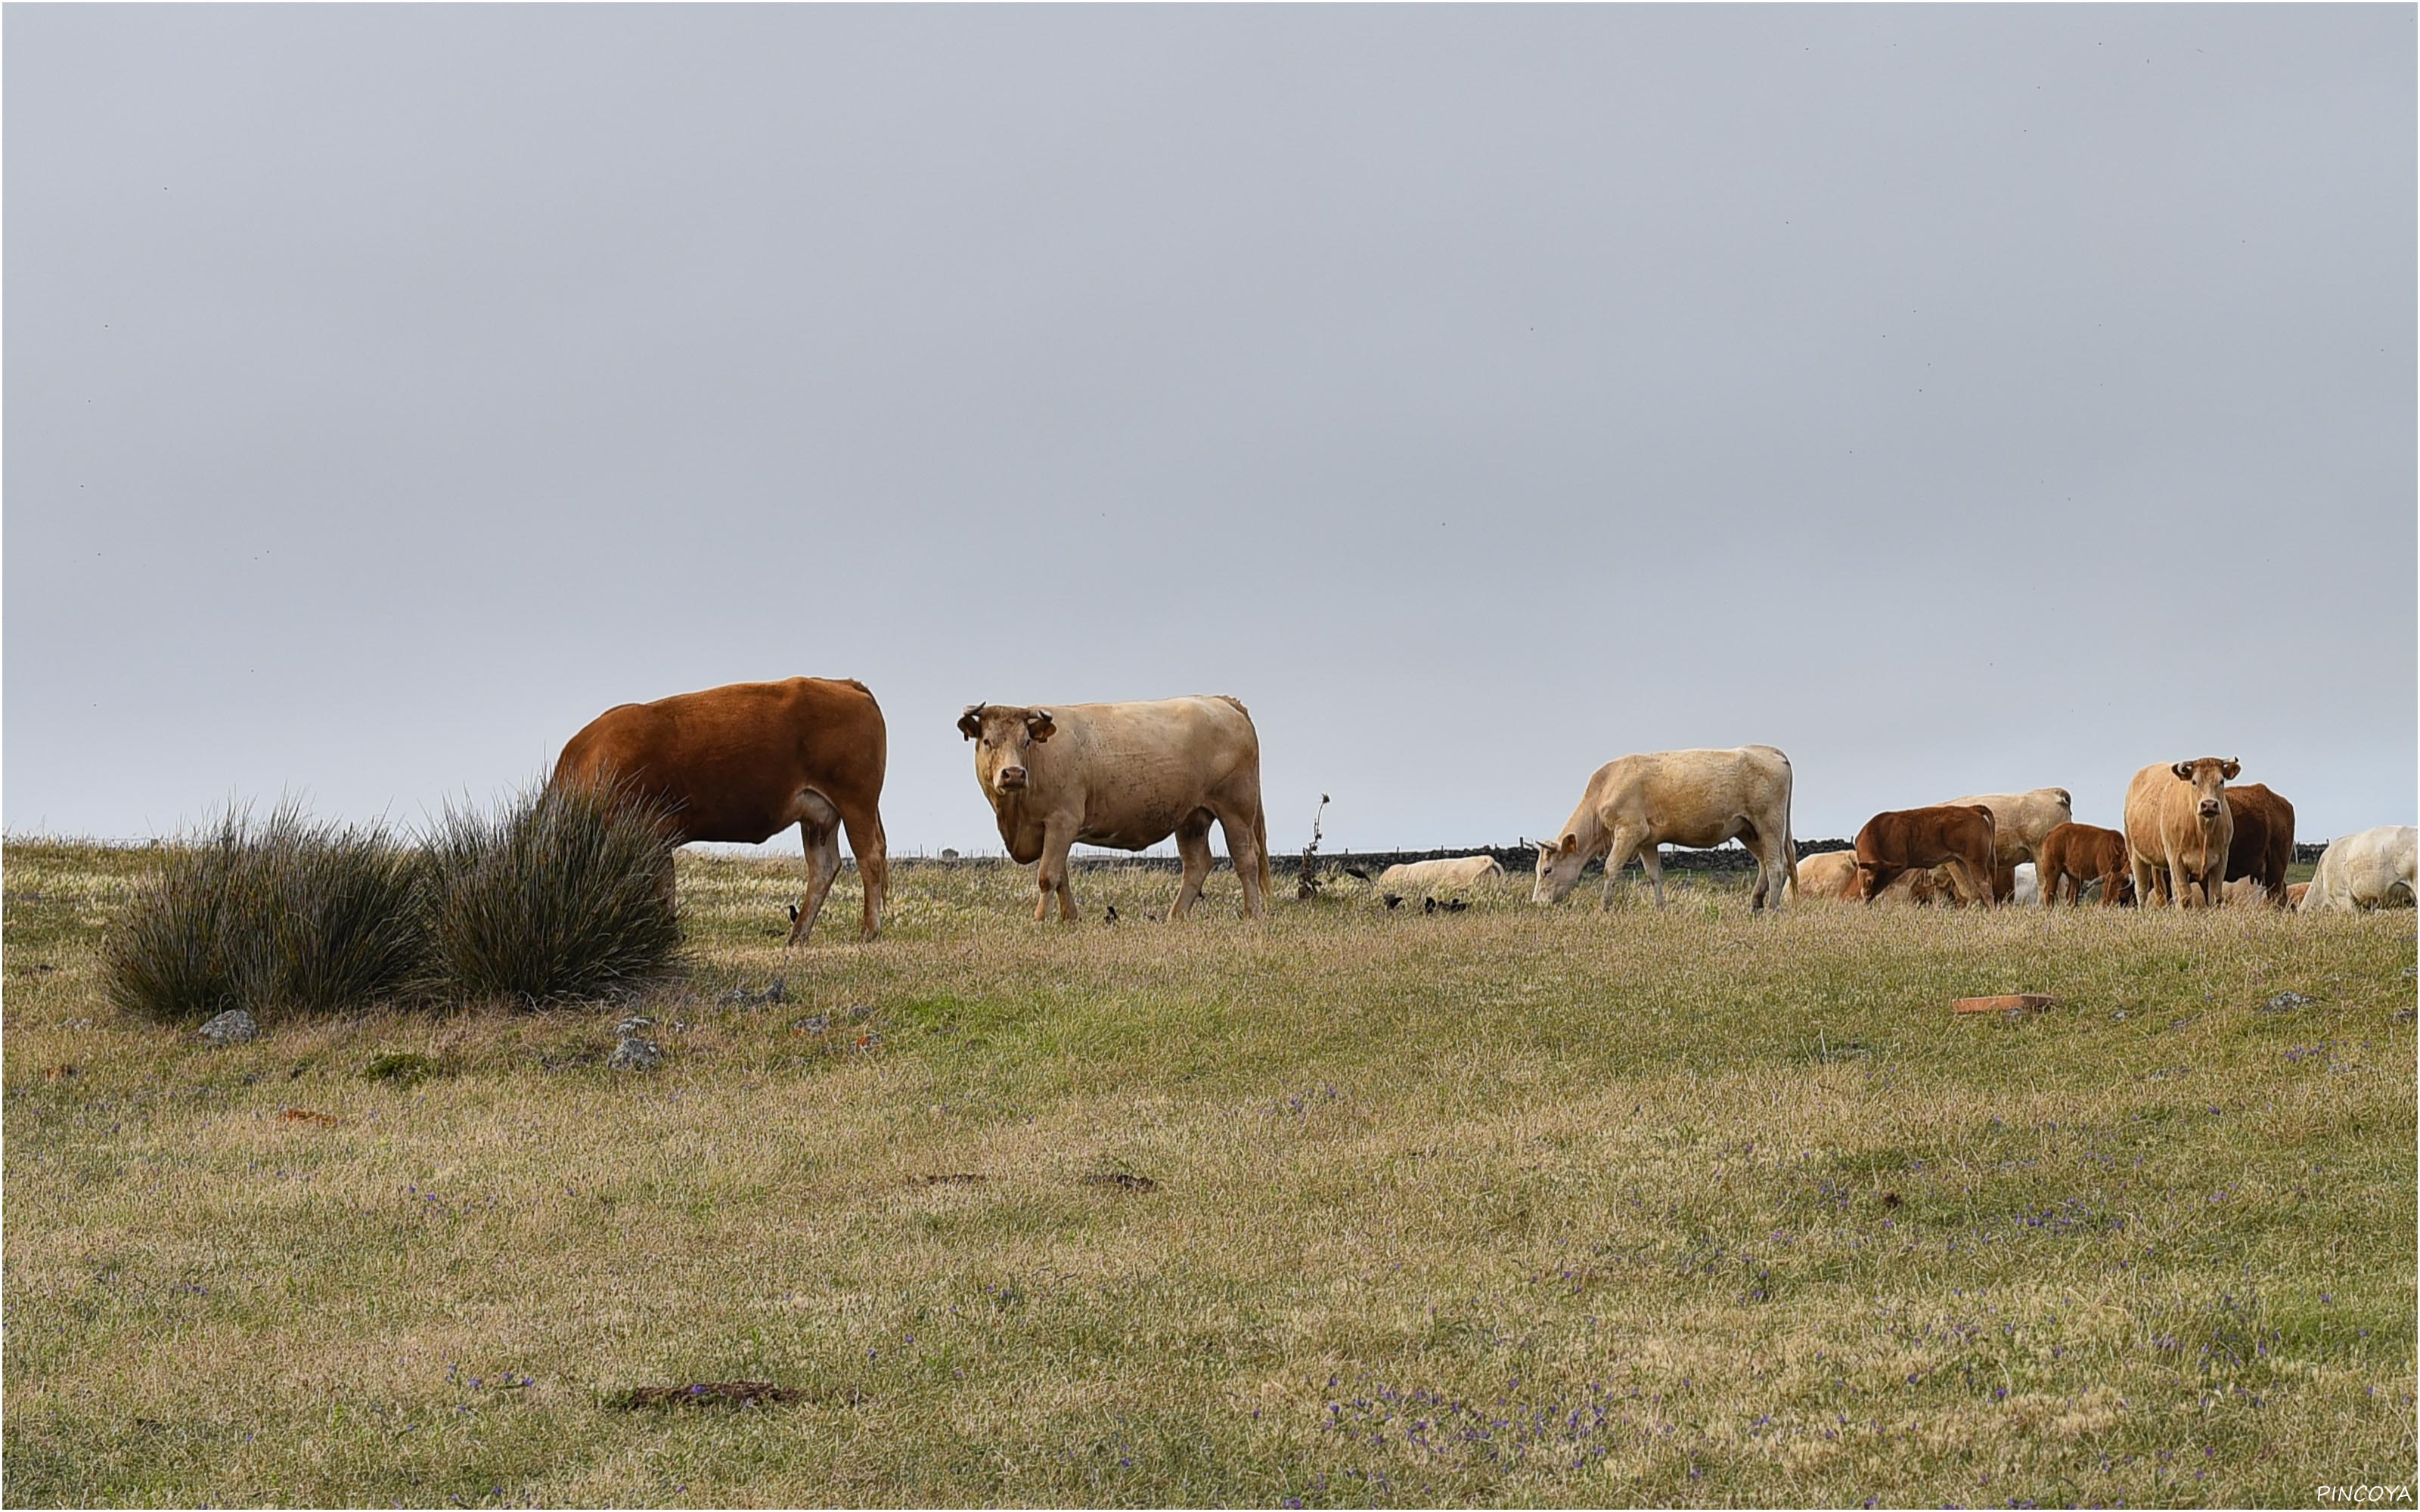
(822, 843)
(1050, 876)
(873, 852)
(2146, 893)
(1617, 855)
(1651, 860)
(1772, 873)
(1244, 852)
(1193, 846)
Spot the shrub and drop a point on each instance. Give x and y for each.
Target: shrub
(287, 916)
(565, 894)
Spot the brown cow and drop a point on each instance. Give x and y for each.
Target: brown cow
(2263, 847)
(1954, 836)
(2294, 894)
(2080, 854)
(2180, 828)
(745, 762)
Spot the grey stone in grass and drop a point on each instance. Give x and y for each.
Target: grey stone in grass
(2286, 1003)
(636, 1050)
(234, 1026)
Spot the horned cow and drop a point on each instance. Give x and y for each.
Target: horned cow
(1702, 798)
(1125, 776)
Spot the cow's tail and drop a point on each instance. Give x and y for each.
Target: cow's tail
(1261, 839)
(1789, 831)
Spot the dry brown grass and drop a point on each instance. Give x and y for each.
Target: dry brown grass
(1616, 1207)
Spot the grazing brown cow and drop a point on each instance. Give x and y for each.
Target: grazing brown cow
(2295, 893)
(1954, 836)
(2180, 828)
(2263, 847)
(745, 762)
(1127, 776)
(2079, 854)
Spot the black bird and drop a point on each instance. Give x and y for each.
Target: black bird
(1428, 905)
(1394, 901)
(1357, 874)
(794, 913)
(1455, 906)
(1113, 917)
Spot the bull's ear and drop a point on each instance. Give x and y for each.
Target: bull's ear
(1038, 725)
(971, 722)
(2231, 767)
(1570, 843)
(2183, 770)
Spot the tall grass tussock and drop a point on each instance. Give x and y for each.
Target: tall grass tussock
(565, 894)
(286, 915)
(559, 895)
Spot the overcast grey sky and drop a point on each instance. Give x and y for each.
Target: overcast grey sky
(1959, 398)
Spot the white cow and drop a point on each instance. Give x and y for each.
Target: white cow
(1448, 874)
(2364, 870)
(1675, 798)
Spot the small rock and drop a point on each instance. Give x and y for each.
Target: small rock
(636, 1051)
(234, 1026)
(2286, 1002)
(778, 992)
(636, 1054)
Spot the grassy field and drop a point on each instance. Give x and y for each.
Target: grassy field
(1355, 1207)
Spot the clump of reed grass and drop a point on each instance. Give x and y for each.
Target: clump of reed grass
(284, 915)
(563, 893)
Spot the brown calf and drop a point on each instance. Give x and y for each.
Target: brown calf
(2079, 854)
(1958, 836)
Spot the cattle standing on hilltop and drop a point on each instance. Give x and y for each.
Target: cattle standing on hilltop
(745, 762)
(2180, 828)
(1956, 837)
(1677, 797)
(1127, 776)
(2364, 870)
(2263, 847)
(2074, 856)
(1444, 874)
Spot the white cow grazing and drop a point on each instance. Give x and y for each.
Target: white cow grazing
(2364, 870)
(1446, 874)
(1675, 798)
(1831, 877)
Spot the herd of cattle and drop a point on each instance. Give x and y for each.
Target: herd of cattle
(745, 762)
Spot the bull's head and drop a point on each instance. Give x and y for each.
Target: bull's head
(1558, 869)
(2209, 776)
(1003, 737)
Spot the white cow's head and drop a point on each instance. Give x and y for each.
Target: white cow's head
(1004, 736)
(1558, 869)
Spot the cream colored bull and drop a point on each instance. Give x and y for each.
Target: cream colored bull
(2021, 820)
(2368, 869)
(1452, 873)
(1697, 798)
(1125, 776)
(2177, 825)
